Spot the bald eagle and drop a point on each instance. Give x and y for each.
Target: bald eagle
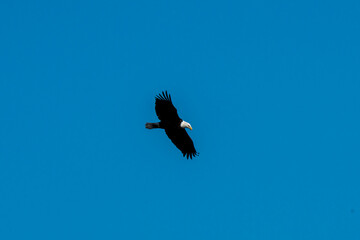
(174, 126)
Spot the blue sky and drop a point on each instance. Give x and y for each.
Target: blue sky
(271, 89)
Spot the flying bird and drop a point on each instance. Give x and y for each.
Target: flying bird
(174, 126)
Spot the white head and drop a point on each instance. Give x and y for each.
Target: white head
(184, 124)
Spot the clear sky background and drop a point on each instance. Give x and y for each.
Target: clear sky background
(271, 88)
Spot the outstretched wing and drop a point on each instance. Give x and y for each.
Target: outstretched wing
(164, 108)
(182, 141)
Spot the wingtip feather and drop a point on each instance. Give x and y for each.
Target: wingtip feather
(164, 96)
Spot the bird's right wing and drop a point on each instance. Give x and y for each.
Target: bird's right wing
(164, 108)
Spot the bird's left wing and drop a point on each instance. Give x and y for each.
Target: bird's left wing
(182, 141)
